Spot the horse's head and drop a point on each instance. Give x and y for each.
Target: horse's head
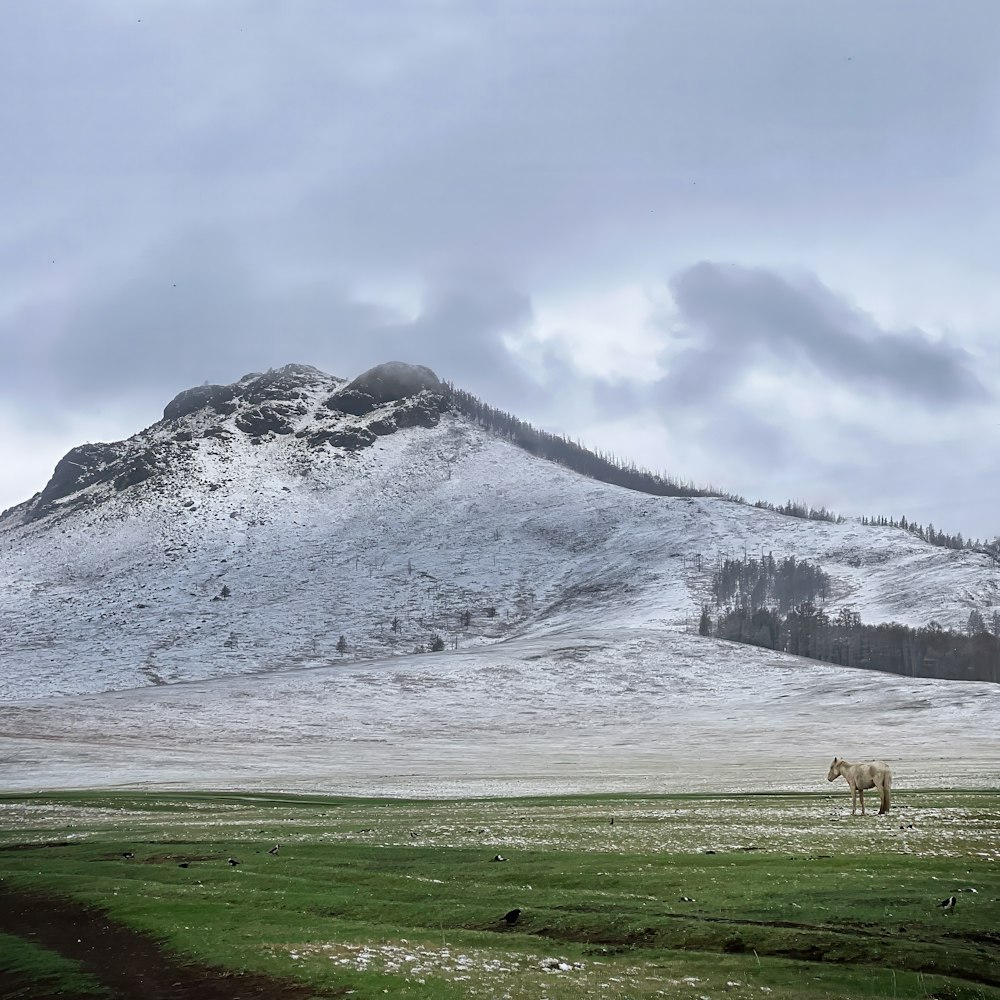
(834, 772)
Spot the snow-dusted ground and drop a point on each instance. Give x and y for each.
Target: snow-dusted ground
(584, 711)
(122, 662)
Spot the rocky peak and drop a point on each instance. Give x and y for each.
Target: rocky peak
(296, 402)
(397, 380)
(287, 383)
(386, 383)
(216, 397)
(78, 468)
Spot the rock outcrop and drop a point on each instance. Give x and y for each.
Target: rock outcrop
(297, 401)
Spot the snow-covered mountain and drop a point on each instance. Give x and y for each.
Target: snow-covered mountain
(258, 523)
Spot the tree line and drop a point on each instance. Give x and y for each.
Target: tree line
(767, 582)
(804, 629)
(795, 508)
(606, 468)
(931, 535)
(609, 468)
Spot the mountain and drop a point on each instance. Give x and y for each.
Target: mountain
(258, 523)
(172, 608)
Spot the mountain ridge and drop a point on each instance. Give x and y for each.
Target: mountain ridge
(295, 399)
(250, 531)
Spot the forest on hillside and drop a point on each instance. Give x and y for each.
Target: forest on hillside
(772, 603)
(605, 468)
(609, 468)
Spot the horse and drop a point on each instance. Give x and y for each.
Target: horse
(873, 774)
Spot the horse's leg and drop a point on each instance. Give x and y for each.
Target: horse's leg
(861, 795)
(884, 792)
(854, 799)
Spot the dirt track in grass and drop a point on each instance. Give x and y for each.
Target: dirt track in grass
(130, 965)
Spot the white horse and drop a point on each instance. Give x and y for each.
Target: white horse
(873, 774)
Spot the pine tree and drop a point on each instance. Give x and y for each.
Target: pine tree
(976, 625)
(705, 625)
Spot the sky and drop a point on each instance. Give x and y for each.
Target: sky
(750, 245)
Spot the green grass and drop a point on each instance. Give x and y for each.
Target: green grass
(42, 971)
(766, 896)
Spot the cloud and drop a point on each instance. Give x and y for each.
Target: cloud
(204, 307)
(731, 320)
(459, 331)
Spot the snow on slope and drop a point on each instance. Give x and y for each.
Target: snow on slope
(123, 663)
(422, 526)
(626, 709)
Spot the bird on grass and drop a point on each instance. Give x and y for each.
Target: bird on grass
(948, 905)
(498, 857)
(184, 864)
(128, 855)
(233, 862)
(512, 917)
(274, 850)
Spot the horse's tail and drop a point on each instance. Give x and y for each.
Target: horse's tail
(886, 791)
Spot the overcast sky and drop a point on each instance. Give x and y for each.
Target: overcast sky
(753, 245)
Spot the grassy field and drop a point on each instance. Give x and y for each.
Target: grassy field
(767, 896)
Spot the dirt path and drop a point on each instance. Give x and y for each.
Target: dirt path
(131, 965)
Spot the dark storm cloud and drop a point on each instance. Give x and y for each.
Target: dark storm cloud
(460, 329)
(202, 308)
(737, 318)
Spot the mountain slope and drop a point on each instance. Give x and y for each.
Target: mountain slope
(257, 523)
